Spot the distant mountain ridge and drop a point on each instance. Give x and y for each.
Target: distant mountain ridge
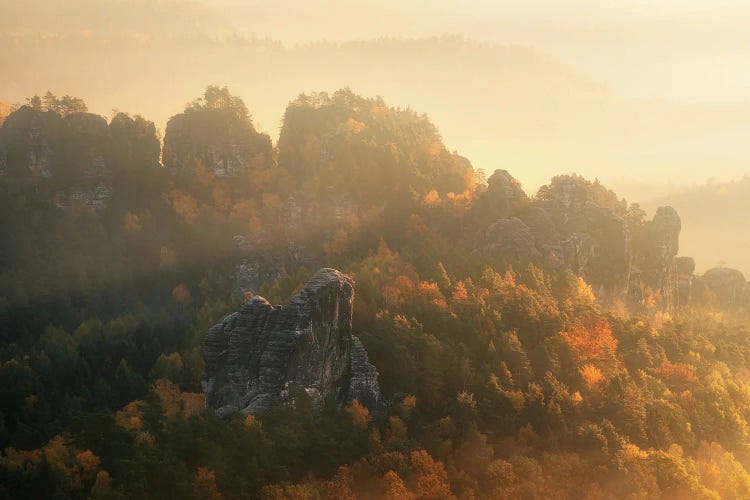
(505, 106)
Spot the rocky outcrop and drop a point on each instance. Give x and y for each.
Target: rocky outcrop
(28, 138)
(263, 356)
(581, 226)
(684, 267)
(582, 232)
(657, 245)
(562, 226)
(82, 166)
(363, 382)
(220, 140)
(596, 245)
(729, 285)
(546, 235)
(72, 159)
(504, 193)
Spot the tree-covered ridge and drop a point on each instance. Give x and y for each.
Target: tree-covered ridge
(376, 153)
(508, 375)
(62, 106)
(215, 133)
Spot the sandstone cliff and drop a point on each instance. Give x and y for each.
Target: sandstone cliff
(656, 250)
(219, 139)
(684, 267)
(73, 158)
(263, 356)
(584, 228)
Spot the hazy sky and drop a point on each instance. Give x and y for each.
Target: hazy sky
(689, 49)
(674, 75)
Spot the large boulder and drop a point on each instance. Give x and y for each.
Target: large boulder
(263, 356)
(728, 285)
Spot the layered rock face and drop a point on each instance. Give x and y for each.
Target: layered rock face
(580, 226)
(73, 157)
(657, 248)
(566, 229)
(684, 267)
(596, 245)
(82, 159)
(27, 140)
(264, 356)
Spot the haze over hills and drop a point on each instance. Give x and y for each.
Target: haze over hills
(482, 323)
(502, 106)
(497, 346)
(499, 103)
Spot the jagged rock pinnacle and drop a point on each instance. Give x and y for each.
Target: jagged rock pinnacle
(263, 356)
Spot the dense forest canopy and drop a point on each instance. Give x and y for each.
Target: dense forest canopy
(528, 347)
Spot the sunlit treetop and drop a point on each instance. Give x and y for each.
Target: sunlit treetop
(220, 98)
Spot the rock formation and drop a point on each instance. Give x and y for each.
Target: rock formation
(563, 227)
(28, 138)
(581, 226)
(73, 158)
(504, 193)
(656, 249)
(264, 356)
(684, 267)
(222, 140)
(729, 285)
(596, 245)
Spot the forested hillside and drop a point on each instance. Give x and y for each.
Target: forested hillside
(555, 345)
